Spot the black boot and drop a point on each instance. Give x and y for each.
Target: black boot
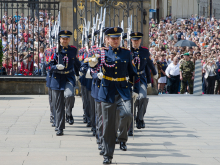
(56, 129)
(84, 119)
(102, 152)
(93, 132)
(51, 119)
(67, 118)
(89, 124)
(53, 125)
(107, 161)
(123, 146)
(60, 132)
(142, 123)
(130, 133)
(71, 120)
(117, 141)
(138, 124)
(100, 147)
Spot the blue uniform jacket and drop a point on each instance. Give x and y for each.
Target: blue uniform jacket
(48, 64)
(82, 78)
(71, 63)
(146, 64)
(122, 59)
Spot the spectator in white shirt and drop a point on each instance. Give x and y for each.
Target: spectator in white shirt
(173, 75)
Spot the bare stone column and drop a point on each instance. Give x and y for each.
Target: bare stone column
(66, 16)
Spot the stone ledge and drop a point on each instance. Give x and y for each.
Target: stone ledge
(22, 78)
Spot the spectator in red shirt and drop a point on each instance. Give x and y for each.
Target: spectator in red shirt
(26, 35)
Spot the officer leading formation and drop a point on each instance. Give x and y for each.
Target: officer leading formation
(114, 82)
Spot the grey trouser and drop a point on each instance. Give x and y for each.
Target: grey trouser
(50, 102)
(63, 98)
(83, 88)
(58, 96)
(141, 104)
(69, 95)
(99, 123)
(109, 118)
(87, 104)
(92, 110)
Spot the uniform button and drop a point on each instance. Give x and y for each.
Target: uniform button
(116, 67)
(66, 54)
(115, 72)
(115, 56)
(138, 55)
(126, 86)
(98, 86)
(116, 62)
(54, 77)
(115, 52)
(102, 84)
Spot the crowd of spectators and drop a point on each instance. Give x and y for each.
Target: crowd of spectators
(205, 32)
(24, 39)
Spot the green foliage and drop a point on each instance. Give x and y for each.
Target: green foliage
(1, 53)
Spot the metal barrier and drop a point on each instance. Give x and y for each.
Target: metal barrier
(24, 35)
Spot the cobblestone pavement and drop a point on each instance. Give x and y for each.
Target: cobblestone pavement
(180, 130)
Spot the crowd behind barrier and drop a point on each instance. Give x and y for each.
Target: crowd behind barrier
(205, 32)
(24, 40)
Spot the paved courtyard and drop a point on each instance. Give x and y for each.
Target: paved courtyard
(180, 130)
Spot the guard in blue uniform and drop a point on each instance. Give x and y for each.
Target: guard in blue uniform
(114, 93)
(48, 53)
(82, 80)
(124, 37)
(143, 63)
(63, 80)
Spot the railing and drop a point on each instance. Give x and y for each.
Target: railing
(24, 34)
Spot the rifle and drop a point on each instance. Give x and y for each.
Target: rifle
(122, 26)
(93, 30)
(83, 36)
(102, 28)
(87, 26)
(57, 40)
(99, 27)
(129, 32)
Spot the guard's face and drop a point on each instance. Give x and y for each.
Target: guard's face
(64, 41)
(136, 43)
(125, 44)
(114, 42)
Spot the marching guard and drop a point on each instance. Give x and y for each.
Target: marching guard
(63, 80)
(143, 64)
(114, 93)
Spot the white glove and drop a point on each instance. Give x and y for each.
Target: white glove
(93, 62)
(60, 66)
(134, 96)
(80, 73)
(100, 75)
(94, 59)
(77, 78)
(97, 55)
(88, 75)
(156, 76)
(148, 85)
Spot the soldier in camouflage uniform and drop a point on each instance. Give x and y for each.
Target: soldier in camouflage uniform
(187, 72)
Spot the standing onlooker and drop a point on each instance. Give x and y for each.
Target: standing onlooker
(173, 74)
(163, 79)
(187, 72)
(217, 82)
(210, 74)
(16, 17)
